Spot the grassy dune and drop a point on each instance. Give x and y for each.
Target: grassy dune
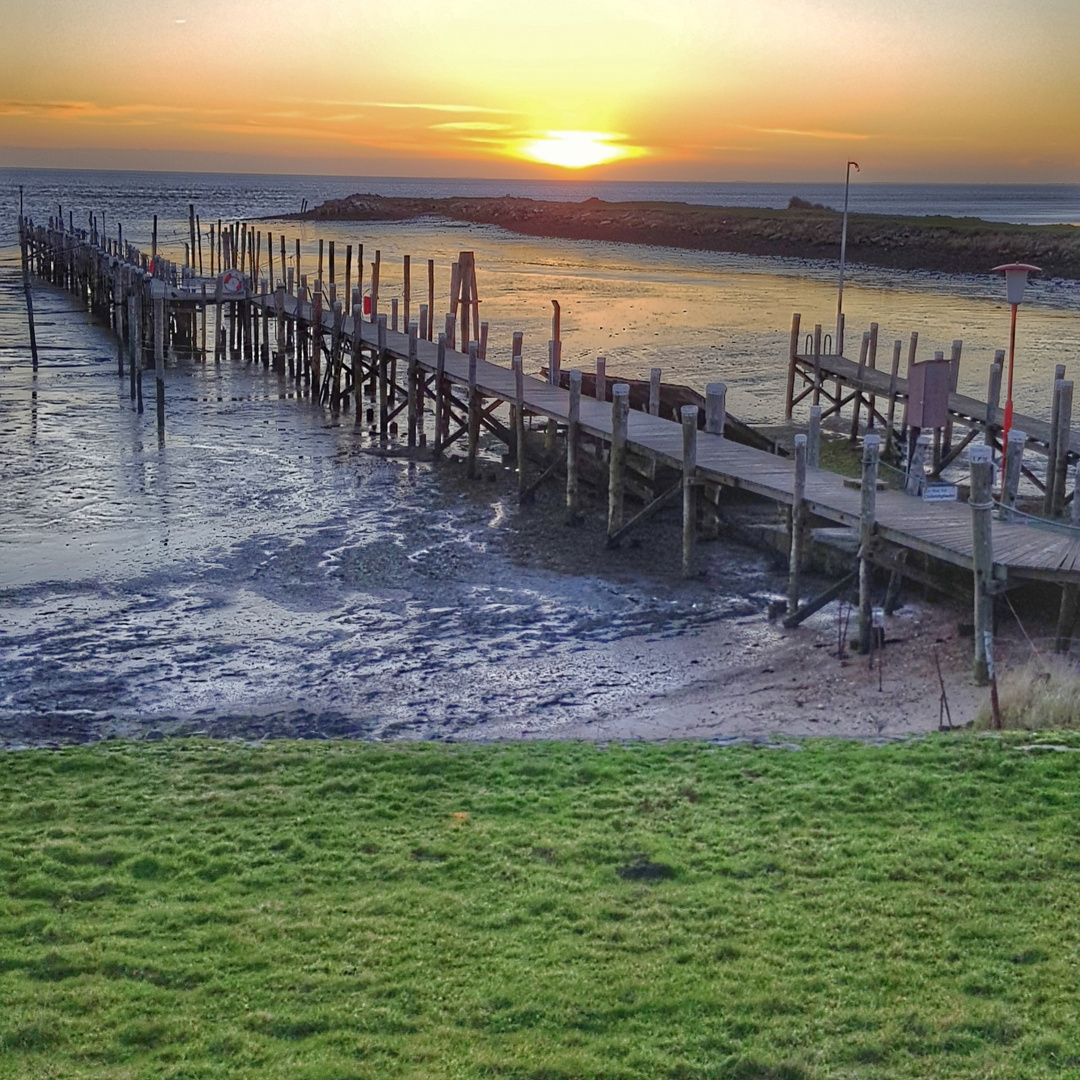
(951, 245)
(543, 911)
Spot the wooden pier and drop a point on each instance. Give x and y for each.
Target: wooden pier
(389, 369)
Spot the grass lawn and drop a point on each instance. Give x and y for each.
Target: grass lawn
(543, 911)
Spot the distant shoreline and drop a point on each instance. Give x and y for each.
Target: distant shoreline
(943, 244)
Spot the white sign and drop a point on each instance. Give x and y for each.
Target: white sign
(939, 493)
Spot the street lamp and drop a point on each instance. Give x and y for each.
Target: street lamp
(843, 258)
(1016, 279)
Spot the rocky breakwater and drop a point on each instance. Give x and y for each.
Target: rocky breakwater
(951, 245)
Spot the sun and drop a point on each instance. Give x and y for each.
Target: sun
(576, 149)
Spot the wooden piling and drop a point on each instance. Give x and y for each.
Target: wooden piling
(600, 388)
(1060, 456)
(431, 299)
(793, 355)
(384, 380)
(406, 288)
(867, 514)
(916, 474)
(474, 412)
(689, 416)
(716, 408)
(158, 299)
(573, 429)
(483, 340)
(813, 438)
(654, 391)
(413, 381)
(798, 516)
(982, 505)
(856, 400)
(442, 404)
(993, 399)
(620, 411)
(1010, 481)
(519, 421)
(817, 365)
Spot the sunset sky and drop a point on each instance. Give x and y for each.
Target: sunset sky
(935, 90)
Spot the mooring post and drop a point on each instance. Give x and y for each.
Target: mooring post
(519, 421)
(424, 320)
(450, 330)
(867, 513)
(798, 514)
(993, 398)
(716, 408)
(394, 314)
(916, 476)
(813, 438)
(158, 296)
(1010, 482)
(864, 349)
(982, 505)
(1061, 450)
(894, 382)
(474, 411)
(406, 288)
(573, 515)
(482, 352)
(689, 417)
(793, 356)
(817, 365)
(384, 379)
(620, 413)
(1052, 444)
(654, 391)
(600, 388)
(414, 382)
(441, 403)
(430, 332)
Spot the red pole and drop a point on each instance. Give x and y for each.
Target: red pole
(1008, 400)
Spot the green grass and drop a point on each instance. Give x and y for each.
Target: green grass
(334, 910)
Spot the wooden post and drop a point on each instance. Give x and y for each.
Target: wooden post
(424, 321)
(982, 506)
(332, 268)
(993, 397)
(793, 353)
(654, 391)
(279, 308)
(414, 382)
(406, 288)
(954, 381)
(798, 514)
(375, 266)
(916, 474)
(205, 313)
(600, 390)
(894, 382)
(394, 314)
(1061, 450)
(450, 330)
(813, 438)
(441, 404)
(817, 365)
(689, 416)
(871, 363)
(519, 422)
(483, 341)
(1051, 446)
(153, 241)
(857, 401)
(474, 413)
(348, 276)
(1010, 481)
(1070, 594)
(159, 358)
(868, 509)
(573, 428)
(620, 412)
(384, 380)
(716, 408)
(431, 298)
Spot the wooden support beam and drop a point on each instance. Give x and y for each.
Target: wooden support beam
(474, 411)
(620, 410)
(798, 526)
(982, 505)
(867, 513)
(573, 509)
(812, 607)
(793, 356)
(689, 416)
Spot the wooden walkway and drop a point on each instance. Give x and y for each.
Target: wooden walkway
(940, 530)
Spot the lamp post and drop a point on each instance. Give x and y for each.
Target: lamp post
(843, 259)
(1016, 279)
